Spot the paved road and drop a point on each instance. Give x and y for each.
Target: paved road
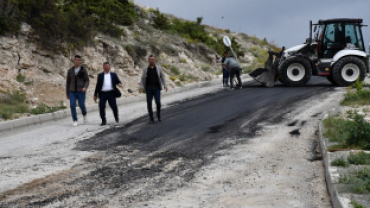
(138, 162)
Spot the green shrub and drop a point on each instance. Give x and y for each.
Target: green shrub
(172, 78)
(360, 158)
(7, 112)
(175, 70)
(140, 51)
(360, 97)
(13, 103)
(129, 49)
(9, 16)
(194, 31)
(339, 162)
(72, 22)
(42, 108)
(169, 49)
(358, 181)
(160, 21)
(20, 78)
(359, 132)
(353, 133)
(182, 78)
(356, 205)
(335, 129)
(206, 67)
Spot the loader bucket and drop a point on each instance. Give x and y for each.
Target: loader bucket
(267, 76)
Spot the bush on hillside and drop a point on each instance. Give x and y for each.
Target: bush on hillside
(72, 22)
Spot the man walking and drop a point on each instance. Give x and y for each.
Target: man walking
(234, 69)
(152, 80)
(105, 88)
(76, 86)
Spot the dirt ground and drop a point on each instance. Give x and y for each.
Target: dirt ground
(266, 157)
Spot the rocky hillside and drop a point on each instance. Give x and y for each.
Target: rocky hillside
(27, 65)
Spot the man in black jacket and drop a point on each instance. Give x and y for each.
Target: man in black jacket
(153, 81)
(77, 83)
(105, 89)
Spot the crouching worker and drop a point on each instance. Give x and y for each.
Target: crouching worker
(233, 67)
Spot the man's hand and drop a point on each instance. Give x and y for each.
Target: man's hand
(83, 89)
(120, 85)
(95, 98)
(68, 97)
(165, 88)
(140, 90)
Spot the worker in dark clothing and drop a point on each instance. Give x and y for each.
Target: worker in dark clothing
(282, 51)
(226, 75)
(234, 68)
(152, 80)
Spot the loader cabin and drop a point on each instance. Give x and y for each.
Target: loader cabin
(336, 34)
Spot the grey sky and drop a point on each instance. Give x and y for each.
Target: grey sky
(286, 22)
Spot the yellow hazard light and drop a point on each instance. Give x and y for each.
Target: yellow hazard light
(326, 69)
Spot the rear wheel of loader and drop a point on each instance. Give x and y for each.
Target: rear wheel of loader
(295, 71)
(347, 70)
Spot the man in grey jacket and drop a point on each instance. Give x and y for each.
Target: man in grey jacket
(76, 86)
(152, 80)
(234, 68)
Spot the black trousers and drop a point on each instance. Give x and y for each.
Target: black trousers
(156, 93)
(111, 98)
(233, 72)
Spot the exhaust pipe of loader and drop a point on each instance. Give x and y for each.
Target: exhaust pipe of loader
(310, 36)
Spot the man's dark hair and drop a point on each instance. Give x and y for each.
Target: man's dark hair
(151, 56)
(77, 56)
(106, 63)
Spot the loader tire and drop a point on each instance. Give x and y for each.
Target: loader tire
(347, 70)
(295, 71)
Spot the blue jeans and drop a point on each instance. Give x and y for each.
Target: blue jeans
(80, 96)
(156, 93)
(226, 75)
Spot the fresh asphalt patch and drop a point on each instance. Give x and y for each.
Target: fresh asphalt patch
(137, 162)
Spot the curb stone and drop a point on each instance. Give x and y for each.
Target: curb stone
(39, 119)
(331, 173)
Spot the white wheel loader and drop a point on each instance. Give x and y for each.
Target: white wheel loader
(336, 51)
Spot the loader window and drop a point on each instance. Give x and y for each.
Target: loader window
(353, 35)
(333, 40)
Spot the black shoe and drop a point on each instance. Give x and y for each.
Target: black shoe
(103, 123)
(117, 120)
(151, 122)
(159, 119)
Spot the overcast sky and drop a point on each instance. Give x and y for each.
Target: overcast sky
(286, 22)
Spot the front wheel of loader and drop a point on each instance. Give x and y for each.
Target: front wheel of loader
(347, 70)
(295, 71)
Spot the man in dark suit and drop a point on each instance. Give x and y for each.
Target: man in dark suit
(105, 87)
